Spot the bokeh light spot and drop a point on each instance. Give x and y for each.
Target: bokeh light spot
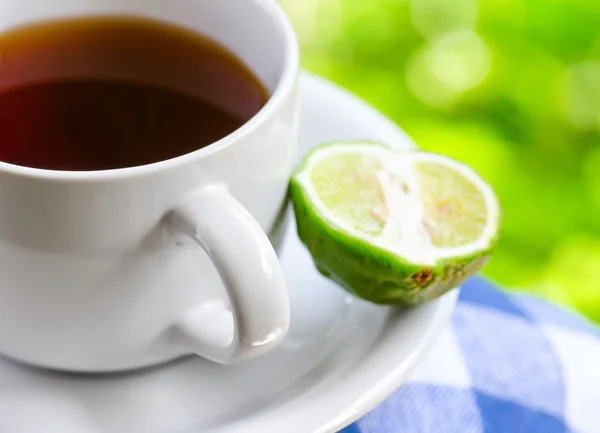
(435, 18)
(441, 72)
(581, 95)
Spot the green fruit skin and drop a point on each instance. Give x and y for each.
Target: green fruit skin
(370, 272)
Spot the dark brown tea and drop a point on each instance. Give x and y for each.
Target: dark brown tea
(107, 93)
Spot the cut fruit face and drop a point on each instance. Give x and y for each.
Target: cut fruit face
(421, 206)
(455, 211)
(347, 186)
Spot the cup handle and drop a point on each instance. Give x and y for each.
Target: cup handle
(248, 266)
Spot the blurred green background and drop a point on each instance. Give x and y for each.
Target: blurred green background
(512, 87)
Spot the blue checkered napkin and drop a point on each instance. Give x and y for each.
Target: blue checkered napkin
(506, 365)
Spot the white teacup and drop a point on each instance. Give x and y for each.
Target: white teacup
(120, 269)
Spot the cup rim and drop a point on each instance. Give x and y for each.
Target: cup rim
(286, 83)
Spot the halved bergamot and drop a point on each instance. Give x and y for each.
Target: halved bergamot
(393, 227)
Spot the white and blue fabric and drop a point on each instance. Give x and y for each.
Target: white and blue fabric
(507, 364)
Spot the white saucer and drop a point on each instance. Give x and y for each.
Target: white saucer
(341, 359)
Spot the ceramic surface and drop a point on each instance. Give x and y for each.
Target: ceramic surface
(106, 271)
(340, 359)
